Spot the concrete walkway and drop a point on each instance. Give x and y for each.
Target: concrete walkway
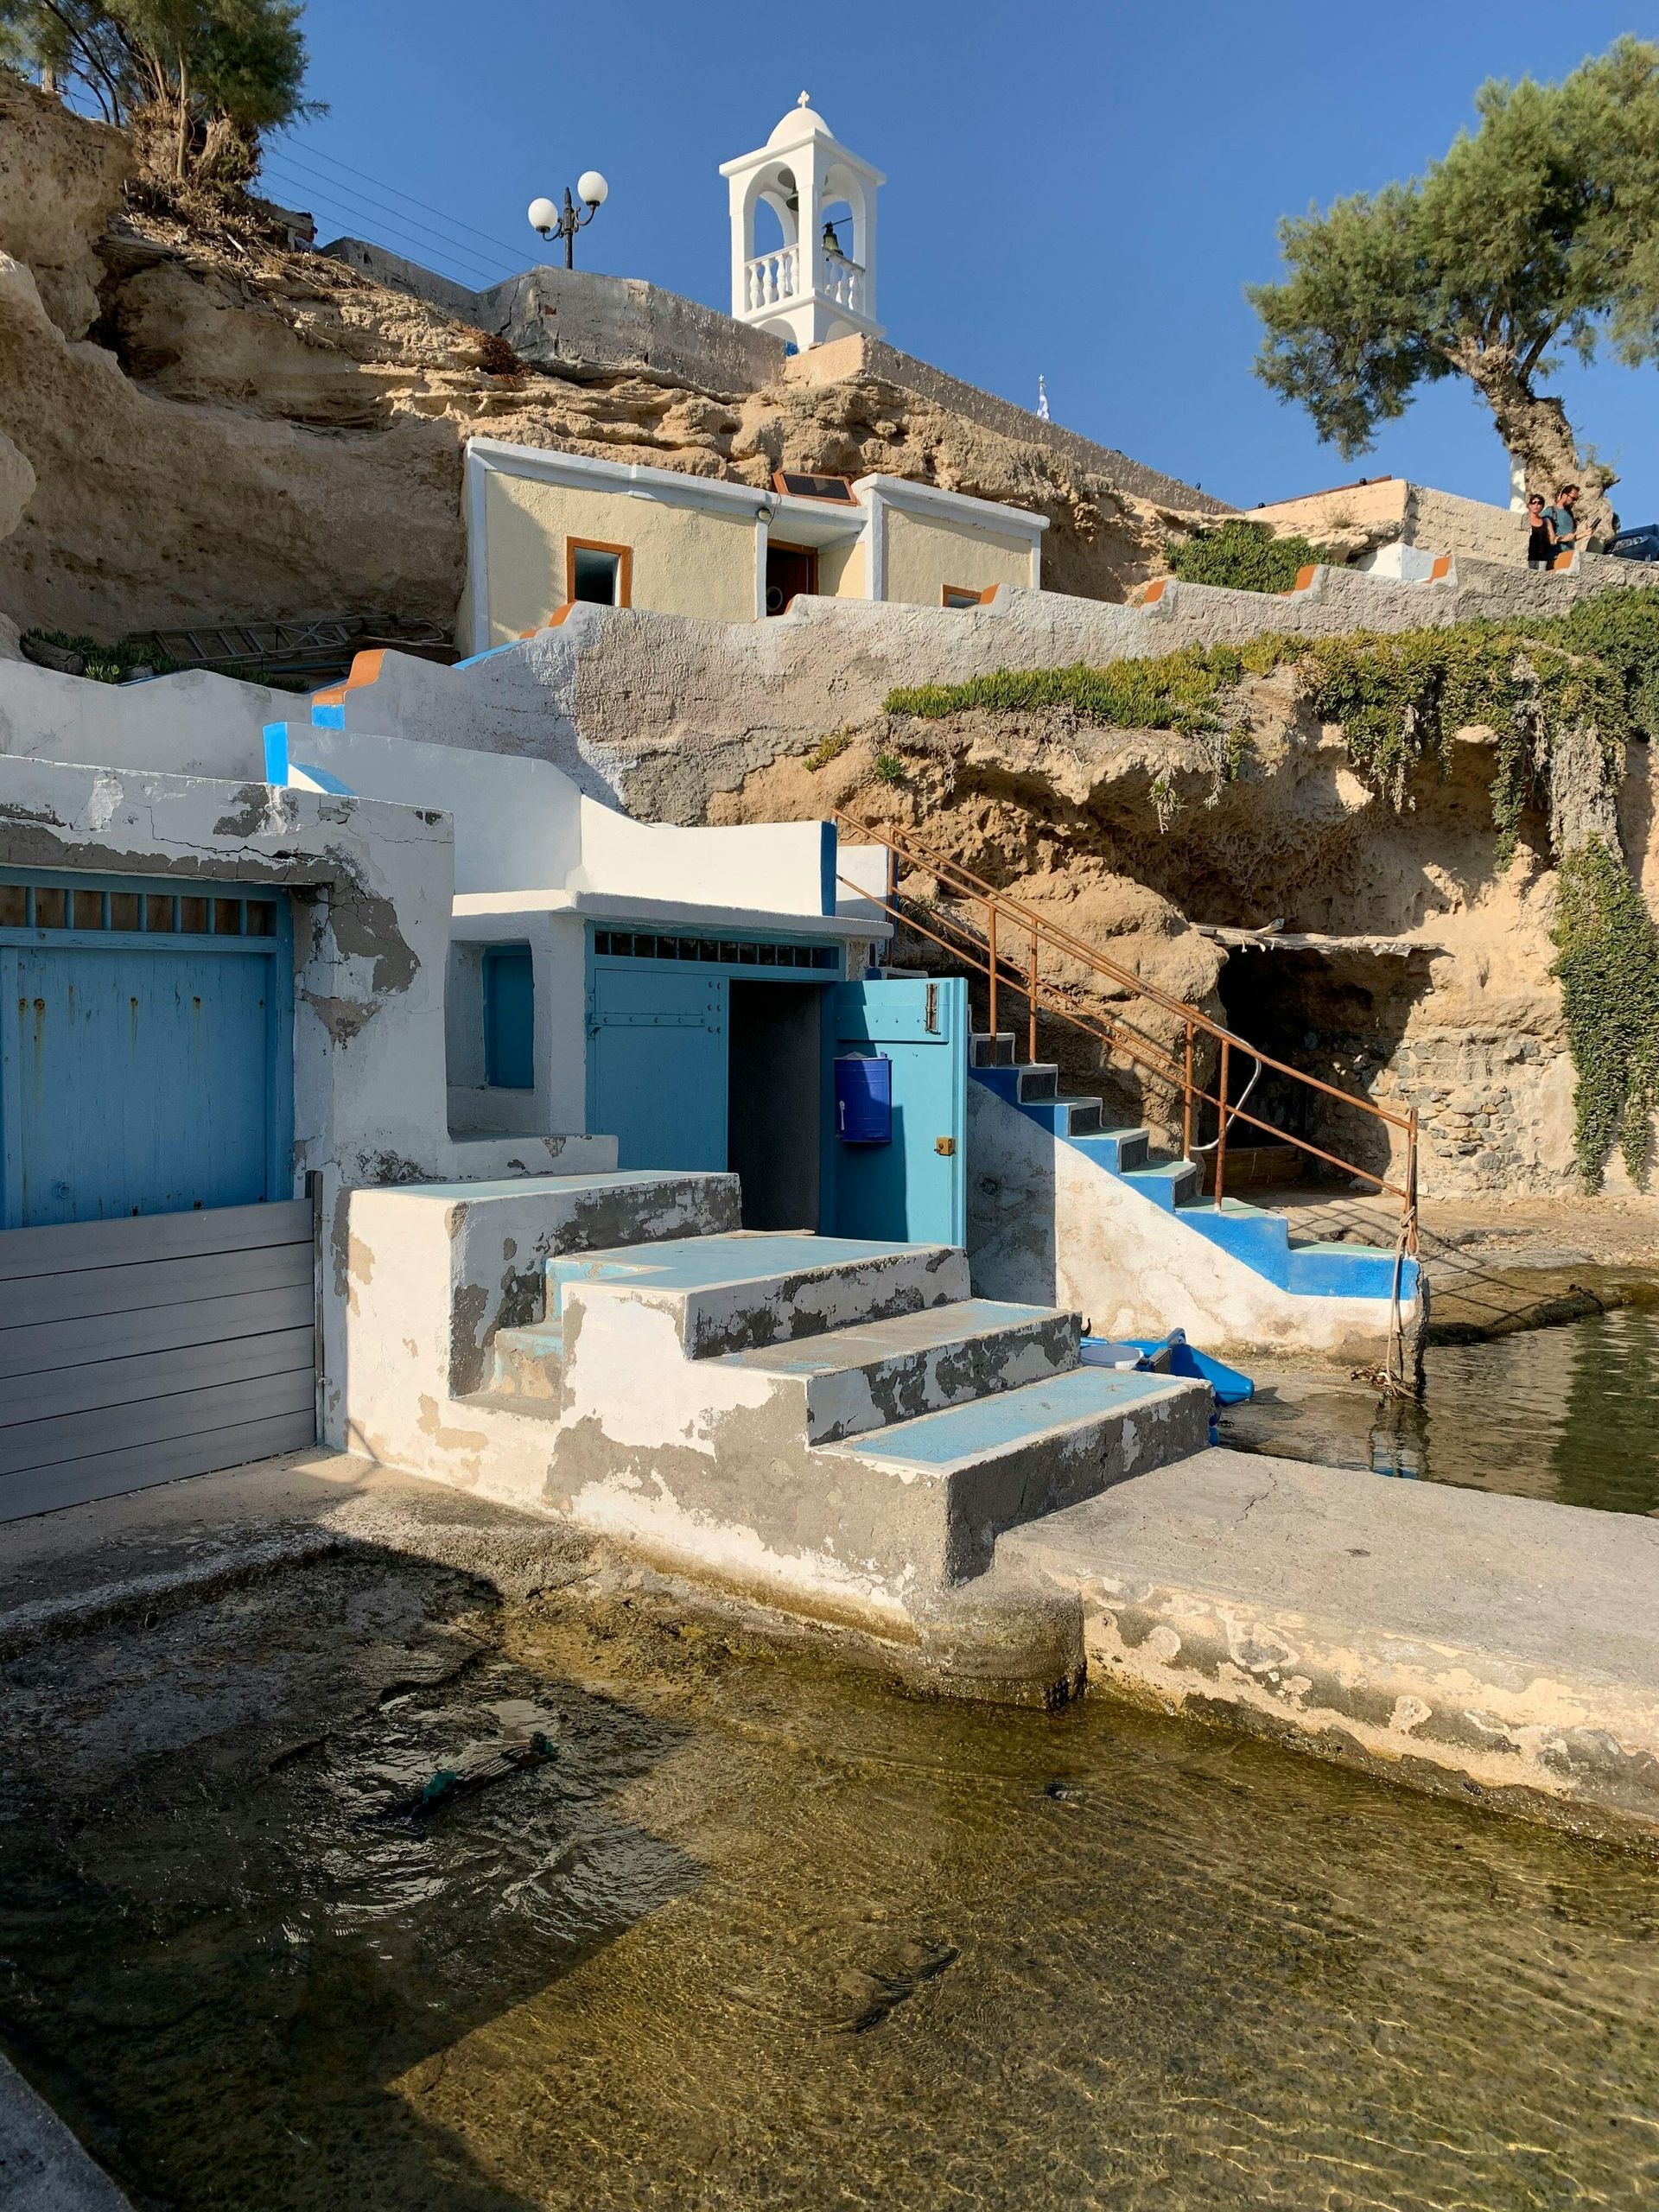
(1499, 1648)
(1496, 1647)
(42, 2168)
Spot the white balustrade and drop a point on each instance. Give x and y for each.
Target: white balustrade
(771, 277)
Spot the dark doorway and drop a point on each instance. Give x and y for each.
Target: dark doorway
(774, 1102)
(791, 570)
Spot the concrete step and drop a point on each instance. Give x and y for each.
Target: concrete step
(526, 1363)
(1026, 1083)
(1261, 1240)
(1065, 1118)
(851, 1380)
(1006, 1460)
(1348, 1270)
(735, 1293)
(1119, 1151)
(988, 1051)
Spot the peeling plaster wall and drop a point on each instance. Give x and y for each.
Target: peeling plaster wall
(1046, 1227)
(371, 887)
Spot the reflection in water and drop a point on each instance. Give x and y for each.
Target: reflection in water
(765, 1935)
(1568, 1413)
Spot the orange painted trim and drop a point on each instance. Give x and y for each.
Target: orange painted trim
(1305, 577)
(365, 670)
(1152, 592)
(962, 596)
(1564, 560)
(1441, 570)
(624, 567)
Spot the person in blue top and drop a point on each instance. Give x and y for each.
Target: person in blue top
(1561, 521)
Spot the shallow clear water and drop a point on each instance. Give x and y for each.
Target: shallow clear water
(767, 1935)
(1570, 1413)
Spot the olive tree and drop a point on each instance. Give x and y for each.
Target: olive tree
(1538, 233)
(197, 82)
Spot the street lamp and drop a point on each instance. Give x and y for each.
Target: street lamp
(564, 222)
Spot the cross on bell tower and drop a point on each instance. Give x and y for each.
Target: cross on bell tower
(820, 283)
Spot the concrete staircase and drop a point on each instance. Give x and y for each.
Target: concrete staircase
(1259, 1238)
(840, 1411)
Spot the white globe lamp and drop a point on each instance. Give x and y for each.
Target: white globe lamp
(592, 189)
(544, 217)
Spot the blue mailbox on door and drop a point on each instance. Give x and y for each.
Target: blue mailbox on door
(864, 1099)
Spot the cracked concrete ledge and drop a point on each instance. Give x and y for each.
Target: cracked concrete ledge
(42, 2168)
(1500, 1648)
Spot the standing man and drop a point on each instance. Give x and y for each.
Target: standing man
(1562, 520)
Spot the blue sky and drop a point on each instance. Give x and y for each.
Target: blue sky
(1079, 190)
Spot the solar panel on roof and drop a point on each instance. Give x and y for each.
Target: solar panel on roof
(802, 486)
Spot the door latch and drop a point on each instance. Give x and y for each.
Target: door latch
(945, 1146)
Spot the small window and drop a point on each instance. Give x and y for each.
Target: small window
(601, 575)
(228, 918)
(51, 908)
(14, 905)
(965, 595)
(125, 909)
(89, 910)
(160, 912)
(192, 917)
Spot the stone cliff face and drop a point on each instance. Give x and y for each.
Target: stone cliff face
(220, 428)
(1430, 985)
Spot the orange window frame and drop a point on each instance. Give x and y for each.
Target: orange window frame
(962, 596)
(624, 567)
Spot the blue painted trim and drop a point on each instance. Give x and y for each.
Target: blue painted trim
(276, 752)
(323, 778)
(185, 887)
(827, 868)
(327, 717)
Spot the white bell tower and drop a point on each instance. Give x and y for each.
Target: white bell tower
(819, 284)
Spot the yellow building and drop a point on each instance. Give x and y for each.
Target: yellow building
(545, 531)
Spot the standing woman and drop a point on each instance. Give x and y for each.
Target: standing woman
(1541, 545)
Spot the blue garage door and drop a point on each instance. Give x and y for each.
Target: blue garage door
(656, 1065)
(914, 1184)
(145, 1050)
(156, 1276)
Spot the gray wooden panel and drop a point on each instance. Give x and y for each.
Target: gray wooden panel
(31, 1400)
(45, 1488)
(134, 1240)
(48, 1344)
(124, 1290)
(156, 1420)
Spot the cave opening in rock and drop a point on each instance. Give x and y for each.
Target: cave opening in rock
(1339, 1014)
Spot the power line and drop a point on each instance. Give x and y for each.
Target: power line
(335, 196)
(405, 225)
(454, 222)
(461, 246)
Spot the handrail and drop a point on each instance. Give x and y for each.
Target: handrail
(988, 958)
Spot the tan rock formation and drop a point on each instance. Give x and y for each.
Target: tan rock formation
(257, 432)
(1430, 987)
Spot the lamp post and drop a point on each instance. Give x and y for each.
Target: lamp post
(564, 222)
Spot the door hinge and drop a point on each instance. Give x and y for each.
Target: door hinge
(932, 1018)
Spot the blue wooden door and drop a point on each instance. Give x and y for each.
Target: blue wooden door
(913, 1188)
(142, 1078)
(656, 1065)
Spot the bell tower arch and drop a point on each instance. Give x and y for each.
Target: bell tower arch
(819, 282)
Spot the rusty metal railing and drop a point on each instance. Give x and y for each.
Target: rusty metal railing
(1006, 947)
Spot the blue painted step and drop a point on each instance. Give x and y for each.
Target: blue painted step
(1259, 1239)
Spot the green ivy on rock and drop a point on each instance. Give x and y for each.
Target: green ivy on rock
(1240, 556)
(1607, 964)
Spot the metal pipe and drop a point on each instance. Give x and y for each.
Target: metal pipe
(1221, 1134)
(990, 932)
(1031, 1001)
(1186, 1098)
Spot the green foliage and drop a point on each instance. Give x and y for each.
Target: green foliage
(198, 82)
(1398, 698)
(1608, 965)
(108, 664)
(889, 769)
(1539, 229)
(1241, 557)
(1178, 691)
(828, 749)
